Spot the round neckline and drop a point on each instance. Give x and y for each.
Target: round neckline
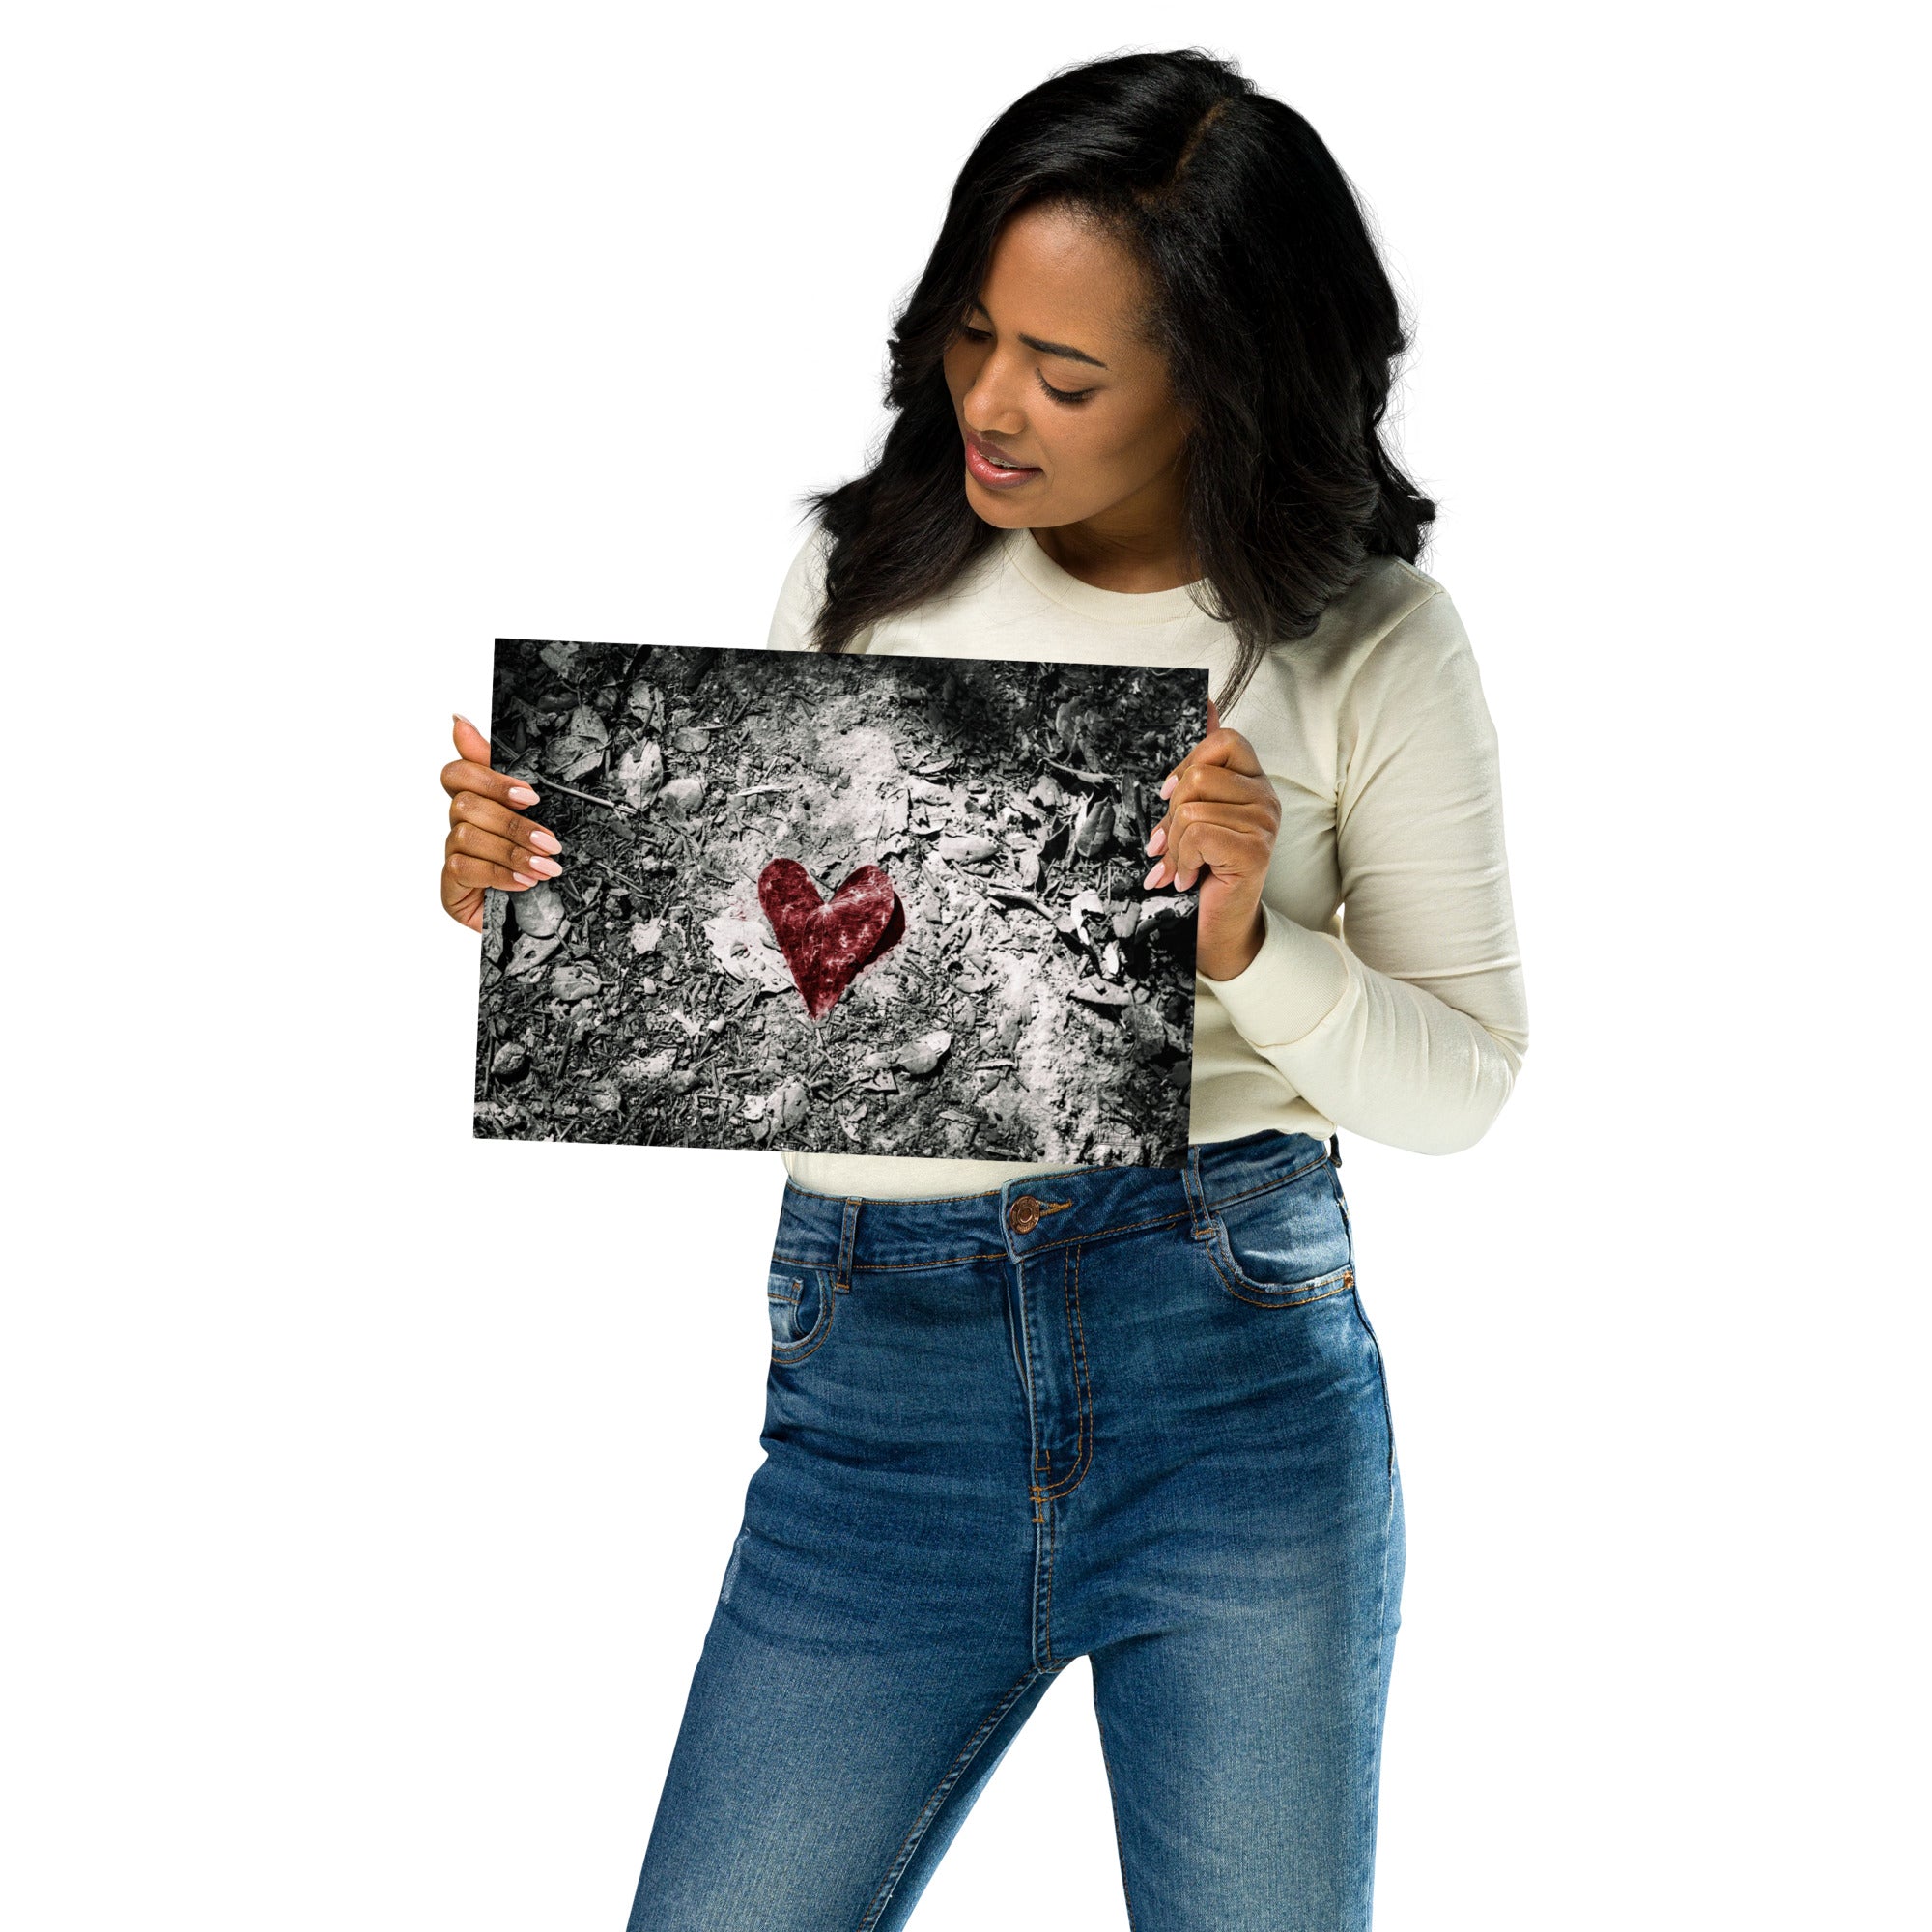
(1110, 607)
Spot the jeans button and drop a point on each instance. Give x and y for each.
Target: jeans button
(1023, 1214)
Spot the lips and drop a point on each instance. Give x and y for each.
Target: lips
(998, 457)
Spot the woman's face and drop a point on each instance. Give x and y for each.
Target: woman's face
(1054, 316)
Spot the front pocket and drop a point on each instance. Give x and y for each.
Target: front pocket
(1285, 1242)
(801, 1301)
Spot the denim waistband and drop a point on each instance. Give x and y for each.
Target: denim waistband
(1079, 1204)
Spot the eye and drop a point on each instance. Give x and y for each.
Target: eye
(1065, 395)
(1058, 395)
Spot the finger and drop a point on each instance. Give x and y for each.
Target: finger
(505, 823)
(1220, 746)
(476, 843)
(1218, 782)
(1232, 841)
(466, 775)
(471, 743)
(468, 871)
(1217, 785)
(463, 903)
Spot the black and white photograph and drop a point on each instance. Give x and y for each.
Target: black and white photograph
(848, 904)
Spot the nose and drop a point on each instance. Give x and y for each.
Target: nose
(988, 407)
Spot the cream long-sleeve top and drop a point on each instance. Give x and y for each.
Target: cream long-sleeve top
(1387, 997)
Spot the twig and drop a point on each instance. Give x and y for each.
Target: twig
(1014, 897)
(558, 784)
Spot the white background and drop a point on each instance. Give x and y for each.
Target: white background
(367, 1490)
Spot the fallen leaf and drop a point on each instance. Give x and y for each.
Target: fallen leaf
(967, 849)
(580, 746)
(924, 1054)
(639, 772)
(1093, 828)
(538, 910)
(647, 703)
(789, 1103)
(574, 982)
(682, 797)
(529, 953)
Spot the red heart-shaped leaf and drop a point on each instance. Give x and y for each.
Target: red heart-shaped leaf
(825, 942)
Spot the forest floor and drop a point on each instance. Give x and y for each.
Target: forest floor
(1040, 1004)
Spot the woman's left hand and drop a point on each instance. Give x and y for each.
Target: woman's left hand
(1222, 817)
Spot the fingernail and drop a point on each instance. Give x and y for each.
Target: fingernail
(543, 840)
(461, 719)
(1173, 779)
(1155, 874)
(522, 878)
(521, 795)
(549, 867)
(1158, 839)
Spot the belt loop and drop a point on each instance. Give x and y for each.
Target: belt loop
(1197, 1193)
(842, 1275)
(1335, 1149)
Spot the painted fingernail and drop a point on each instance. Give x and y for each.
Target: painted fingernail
(521, 795)
(1153, 876)
(549, 867)
(522, 878)
(543, 842)
(1158, 839)
(1173, 779)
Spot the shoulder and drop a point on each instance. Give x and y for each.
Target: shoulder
(1393, 634)
(1391, 610)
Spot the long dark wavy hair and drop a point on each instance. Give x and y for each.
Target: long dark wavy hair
(1268, 302)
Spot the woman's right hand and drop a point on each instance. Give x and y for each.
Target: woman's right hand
(489, 842)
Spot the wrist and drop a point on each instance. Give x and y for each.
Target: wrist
(1227, 959)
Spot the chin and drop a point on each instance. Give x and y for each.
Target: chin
(994, 507)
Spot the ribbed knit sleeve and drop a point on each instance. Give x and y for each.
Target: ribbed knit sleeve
(1410, 1027)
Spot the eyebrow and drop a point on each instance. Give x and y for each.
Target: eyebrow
(1064, 348)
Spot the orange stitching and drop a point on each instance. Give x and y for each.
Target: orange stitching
(1248, 1194)
(1103, 1234)
(892, 1267)
(1229, 1282)
(990, 1254)
(816, 1339)
(1083, 1454)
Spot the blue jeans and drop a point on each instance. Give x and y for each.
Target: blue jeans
(1135, 1414)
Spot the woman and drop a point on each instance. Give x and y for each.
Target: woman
(1020, 1413)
